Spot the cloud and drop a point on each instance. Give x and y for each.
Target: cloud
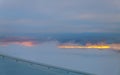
(54, 26)
(25, 22)
(59, 9)
(59, 16)
(62, 6)
(86, 60)
(100, 17)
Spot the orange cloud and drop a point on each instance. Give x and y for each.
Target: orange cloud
(91, 46)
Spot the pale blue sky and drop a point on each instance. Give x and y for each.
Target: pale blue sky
(59, 16)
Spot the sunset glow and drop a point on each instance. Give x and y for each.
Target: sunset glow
(102, 46)
(91, 46)
(26, 43)
(23, 43)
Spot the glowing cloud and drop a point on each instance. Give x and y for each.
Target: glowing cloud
(23, 43)
(26, 43)
(91, 46)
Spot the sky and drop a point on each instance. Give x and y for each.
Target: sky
(59, 16)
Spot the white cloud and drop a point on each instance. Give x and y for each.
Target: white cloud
(99, 62)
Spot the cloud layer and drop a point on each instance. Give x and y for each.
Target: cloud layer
(34, 16)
